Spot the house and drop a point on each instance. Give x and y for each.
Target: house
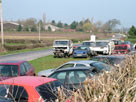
(10, 25)
(51, 27)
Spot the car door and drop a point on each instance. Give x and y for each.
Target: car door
(29, 69)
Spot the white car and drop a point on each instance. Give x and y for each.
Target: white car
(84, 63)
(103, 47)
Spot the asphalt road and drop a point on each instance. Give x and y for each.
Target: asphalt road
(28, 56)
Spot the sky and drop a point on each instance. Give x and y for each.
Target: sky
(68, 11)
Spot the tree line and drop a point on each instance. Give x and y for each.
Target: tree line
(32, 25)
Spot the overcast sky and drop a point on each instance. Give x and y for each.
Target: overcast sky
(70, 10)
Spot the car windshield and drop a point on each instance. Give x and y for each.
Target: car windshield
(101, 43)
(61, 42)
(49, 91)
(100, 66)
(8, 70)
(121, 47)
(88, 43)
(81, 48)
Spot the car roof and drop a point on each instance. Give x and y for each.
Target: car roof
(33, 81)
(82, 61)
(74, 68)
(11, 62)
(110, 56)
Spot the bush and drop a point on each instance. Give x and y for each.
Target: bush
(117, 86)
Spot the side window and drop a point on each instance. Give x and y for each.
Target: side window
(82, 76)
(22, 69)
(67, 65)
(27, 66)
(80, 65)
(19, 94)
(61, 76)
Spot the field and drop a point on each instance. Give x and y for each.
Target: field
(50, 62)
(52, 35)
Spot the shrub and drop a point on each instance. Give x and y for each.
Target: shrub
(119, 85)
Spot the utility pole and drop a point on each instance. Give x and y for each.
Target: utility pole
(1, 18)
(39, 32)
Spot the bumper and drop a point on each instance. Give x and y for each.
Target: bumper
(80, 55)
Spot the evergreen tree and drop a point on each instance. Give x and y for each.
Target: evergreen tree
(132, 31)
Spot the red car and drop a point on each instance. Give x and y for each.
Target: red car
(10, 69)
(30, 89)
(122, 49)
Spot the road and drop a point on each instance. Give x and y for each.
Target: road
(28, 56)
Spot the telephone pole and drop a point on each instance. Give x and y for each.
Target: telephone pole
(1, 18)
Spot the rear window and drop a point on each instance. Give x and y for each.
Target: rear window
(8, 70)
(49, 91)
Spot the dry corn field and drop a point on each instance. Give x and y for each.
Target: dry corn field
(52, 36)
(119, 85)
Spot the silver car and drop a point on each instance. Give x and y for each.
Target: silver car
(84, 63)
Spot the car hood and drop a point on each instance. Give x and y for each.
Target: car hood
(80, 51)
(46, 72)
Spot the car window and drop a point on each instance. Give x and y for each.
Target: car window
(76, 77)
(9, 70)
(22, 69)
(4, 90)
(27, 66)
(49, 91)
(17, 93)
(67, 65)
(80, 65)
(60, 75)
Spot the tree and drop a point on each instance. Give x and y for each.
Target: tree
(87, 27)
(19, 28)
(74, 25)
(60, 25)
(111, 24)
(53, 22)
(132, 31)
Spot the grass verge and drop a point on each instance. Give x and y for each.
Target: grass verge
(22, 51)
(50, 62)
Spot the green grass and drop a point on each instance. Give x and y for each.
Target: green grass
(12, 44)
(50, 62)
(24, 50)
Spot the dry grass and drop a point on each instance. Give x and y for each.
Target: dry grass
(117, 86)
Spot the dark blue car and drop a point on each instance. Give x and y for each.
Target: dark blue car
(81, 51)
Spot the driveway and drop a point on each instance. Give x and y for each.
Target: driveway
(28, 56)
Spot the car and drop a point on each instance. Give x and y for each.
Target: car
(122, 49)
(81, 63)
(81, 51)
(103, 47)
(109, 59)
(9, 69)
(73, 78)
(30, 89)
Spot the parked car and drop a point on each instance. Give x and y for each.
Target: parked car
(83, 63)
(122, 49)
(103, 47)
(81, 51)
(10, 69)
(73, 78)
(63, 48)
(30, 89)
(109, 59)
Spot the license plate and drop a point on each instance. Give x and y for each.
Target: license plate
(79, 55)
